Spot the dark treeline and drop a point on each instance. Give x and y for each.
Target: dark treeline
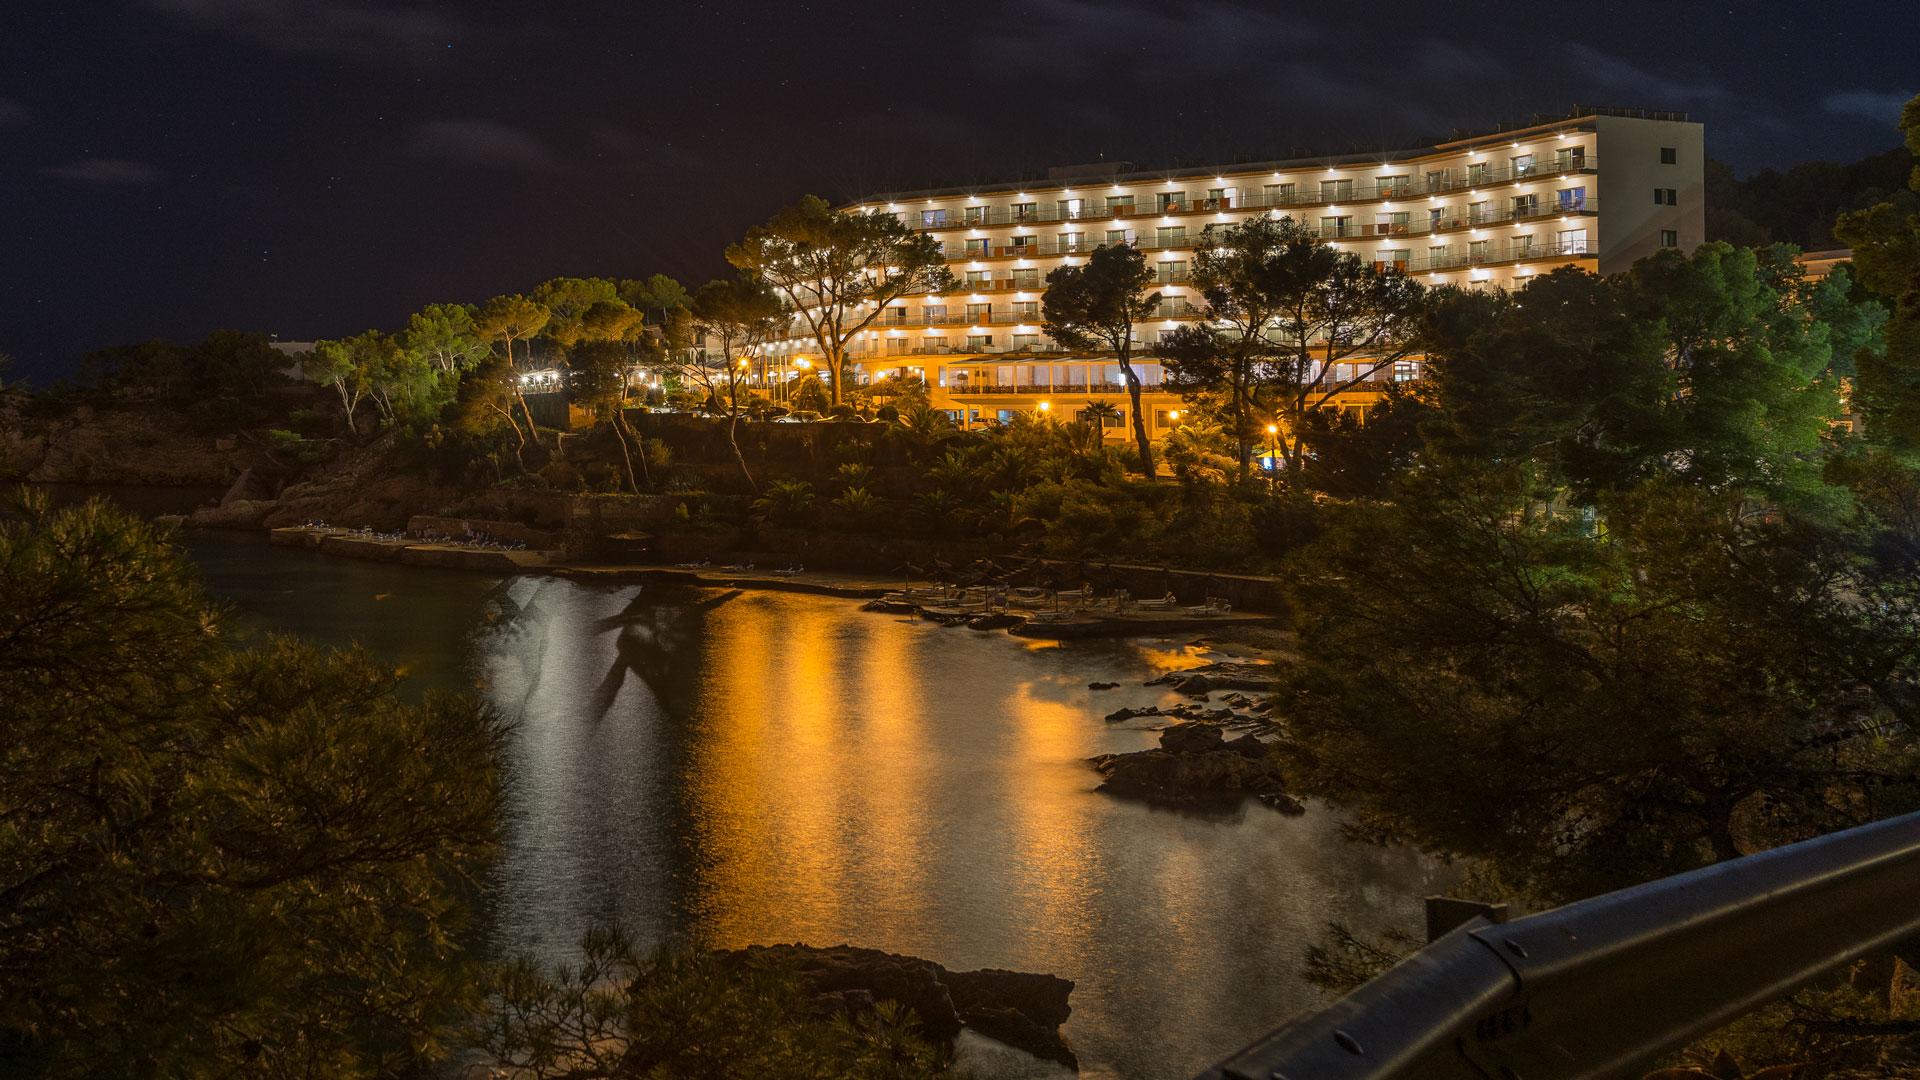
(1800, 205)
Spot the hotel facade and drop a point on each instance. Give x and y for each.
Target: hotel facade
(1597, 190)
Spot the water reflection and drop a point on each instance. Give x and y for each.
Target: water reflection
(770, 767)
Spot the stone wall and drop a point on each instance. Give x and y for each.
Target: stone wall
(510, 531)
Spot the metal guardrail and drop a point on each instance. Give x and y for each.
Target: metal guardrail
(1596, 988)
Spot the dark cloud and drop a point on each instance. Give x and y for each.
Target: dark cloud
(13, 112)
(107, 171)
(343, 27)
(1881, 108)
(480, 142)
(1605, 71)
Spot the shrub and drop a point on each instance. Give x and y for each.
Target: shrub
(786, 502)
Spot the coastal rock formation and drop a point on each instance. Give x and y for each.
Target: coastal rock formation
(1020, 1009)
(119, 445)
(1195, 766)
(1215, 677)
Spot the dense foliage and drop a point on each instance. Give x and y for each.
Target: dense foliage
(215, 860)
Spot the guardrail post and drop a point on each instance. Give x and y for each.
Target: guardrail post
(1446, 912)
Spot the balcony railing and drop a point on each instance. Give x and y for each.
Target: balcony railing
(1423, 222)
(1305, 193)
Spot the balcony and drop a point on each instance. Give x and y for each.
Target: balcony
(1307, 193)
(1423, 222)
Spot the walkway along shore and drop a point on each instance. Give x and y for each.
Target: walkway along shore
(352, 544)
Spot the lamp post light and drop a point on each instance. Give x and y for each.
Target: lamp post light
(1273, 458)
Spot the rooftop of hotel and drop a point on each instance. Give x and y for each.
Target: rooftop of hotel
(1062, 178)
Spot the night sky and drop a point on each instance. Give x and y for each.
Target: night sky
(316, 167)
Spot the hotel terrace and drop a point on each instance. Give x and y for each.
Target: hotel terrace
(1488, 211)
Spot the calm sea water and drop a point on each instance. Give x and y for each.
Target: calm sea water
(765, 767)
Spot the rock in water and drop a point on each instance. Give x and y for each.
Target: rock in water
(1021, 1009)
(1194, 767)
(1190, 739)
(1102, 685)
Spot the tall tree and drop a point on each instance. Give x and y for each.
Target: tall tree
(1296, 320)
(1096, 306)
(656, 296)
(508, 319)
(739, 316)
(600, 373)
(1886, 252)
(838, 271)
(445, 335)
(347, 366)
(567, 300)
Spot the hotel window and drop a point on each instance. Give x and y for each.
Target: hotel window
(1570, 158)
(1571, 241)
(1406, 370)
(1116, 237)
(1025, 211)
(1437, 257)
(979, 342)
(1026, 341)
(1523, 246)
(1279, 194)
(932, 219)
(1665, 196)
(933, 313)
(1336, 190)
(976, 215)
(979, 313)
(978, 247)
(1165, 417)
(934, 343)
(1573, 198)
(1026, 278)
(1439, 179)
(1523, 165)
(1393, 224)
(1669, 156)
(1217, 199)
(1073, 241)
(1669, 238)
(1171, 200)
(979, 279)
(896, 346)
(896, 315)
(1397, 260)
(1477, 252)
(1171, 271)
(1477, 173)
(1071, 209)
(1337, 226)
(1480, 213)
(1119, 204)
(1025, 245)
(1026, 309)
(1526, 205)
(1391, 187)
(1433, 217)
(1170, 236)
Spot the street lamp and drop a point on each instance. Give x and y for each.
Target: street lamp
(1273, 458)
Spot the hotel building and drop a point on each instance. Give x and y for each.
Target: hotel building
(1488, 211)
